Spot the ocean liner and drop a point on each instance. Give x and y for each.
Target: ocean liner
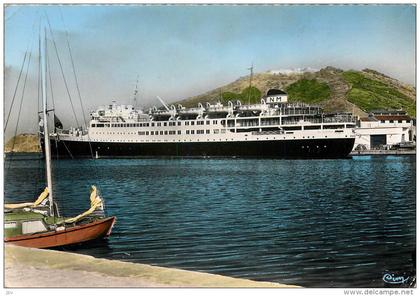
(274, 128)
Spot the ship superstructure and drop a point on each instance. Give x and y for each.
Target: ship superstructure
(272, 128)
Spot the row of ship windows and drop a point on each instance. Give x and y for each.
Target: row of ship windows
(165, 123)
(155, 133)
(392, 121)
(198, 140)
(202, 132)
(231, 123)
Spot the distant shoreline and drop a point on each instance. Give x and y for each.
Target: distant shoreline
(23, 143)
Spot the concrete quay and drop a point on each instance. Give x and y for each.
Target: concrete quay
(36, 268)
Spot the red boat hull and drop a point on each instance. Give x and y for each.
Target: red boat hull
(69, 236)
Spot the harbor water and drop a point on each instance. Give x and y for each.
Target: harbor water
(314, 223)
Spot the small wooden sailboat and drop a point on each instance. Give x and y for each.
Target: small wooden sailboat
(38, 224)
(33, 225)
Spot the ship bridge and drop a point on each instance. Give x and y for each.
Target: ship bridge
(117, 113)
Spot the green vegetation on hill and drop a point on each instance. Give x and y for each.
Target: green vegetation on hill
(370, 94)
(334, 89)
(308, 91)
(249, 94)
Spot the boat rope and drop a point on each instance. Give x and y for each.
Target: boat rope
(56, 147)
(61, 69)
(20, 107)
(73, 68)
(76, 80)
(39, 76)
(40, 162)
(50, 80)
(28, 50)
(65, 146)
(20, 73)
(95, 168)
(16, 88)
(7, 18)
(52, 94)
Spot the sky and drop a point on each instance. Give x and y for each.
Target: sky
(179, 51)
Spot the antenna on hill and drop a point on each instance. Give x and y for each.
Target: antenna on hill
(135, 92)
(250, 83)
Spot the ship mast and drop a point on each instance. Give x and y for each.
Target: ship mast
(45, 119)
(135, 93)
(250, 83)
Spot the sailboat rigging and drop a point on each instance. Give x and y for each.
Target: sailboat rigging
(38, 224)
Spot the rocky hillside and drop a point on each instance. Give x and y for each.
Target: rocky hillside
(23, 143)
(334, 89)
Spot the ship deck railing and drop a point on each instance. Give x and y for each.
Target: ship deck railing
(279, 132)
(300, 112)
(219, 109)
(194, 109)
(159, 112)
(69, 132)
(254, 122)
(253, 107)
(63, 131)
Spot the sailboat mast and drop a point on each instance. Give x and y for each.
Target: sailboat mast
(45, 119)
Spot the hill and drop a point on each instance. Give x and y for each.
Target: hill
(23, 143)
(334, 89)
